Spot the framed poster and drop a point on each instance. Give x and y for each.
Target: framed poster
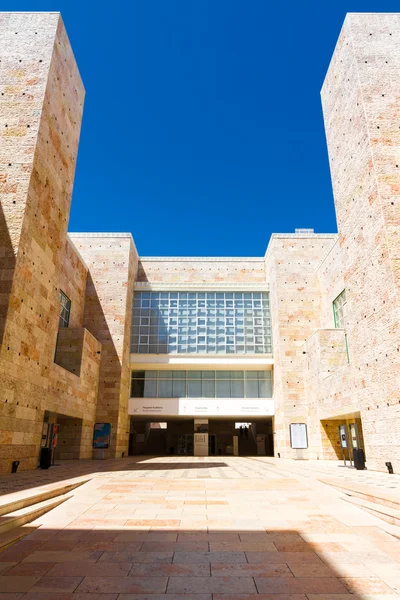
(101, 435)
(298, 436)
(54, 435)
(343, 436)
(201, 425)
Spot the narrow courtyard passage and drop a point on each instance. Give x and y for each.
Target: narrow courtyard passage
(211, 528)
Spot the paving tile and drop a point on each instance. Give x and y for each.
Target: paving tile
(18, 583)
(352, 597)
(55, 544)
(210, 557)
(214, 585)
(295, 585)
(174, 547)
(312, 570)
(6, 566)
(242, 547)
(292, 536)
(365, 558)
(102, 545)
(65, 596)
(337, 570)
(263, 597)
(19, 551)
(385, 570)
(205, 536)
(263, 570)
(100, 569)
(59, 556)
(151, 536)
(30, 569)
(121, 585)
(176, 570)
(153, 523)
(57, 584)
(163, 597)
(293, 546)
(283, 557)
(137, 557)
(366, 585)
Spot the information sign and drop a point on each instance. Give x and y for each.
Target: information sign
(298, 436)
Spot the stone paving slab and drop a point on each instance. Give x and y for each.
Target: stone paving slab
(142, 531)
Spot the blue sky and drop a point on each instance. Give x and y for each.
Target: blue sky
(202, 131)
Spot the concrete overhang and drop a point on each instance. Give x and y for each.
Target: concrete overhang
(206, 362)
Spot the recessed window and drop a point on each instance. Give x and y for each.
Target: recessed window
(201, 323)
(339, 310)
(65, 310)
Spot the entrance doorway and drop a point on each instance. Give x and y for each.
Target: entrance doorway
(212, 444)
(179, 436)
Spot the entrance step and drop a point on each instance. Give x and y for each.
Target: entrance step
(23, 499)
(13, 535)
(364, 492)
(385, 513)
(27, 514)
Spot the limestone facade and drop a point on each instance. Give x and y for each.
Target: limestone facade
(79, 375)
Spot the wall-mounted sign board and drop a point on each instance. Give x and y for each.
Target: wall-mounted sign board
(101, 435)
(201, 407)
(298, 436)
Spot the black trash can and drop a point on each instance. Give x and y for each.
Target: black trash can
(359, 458)
(45, 458)
(15, 465)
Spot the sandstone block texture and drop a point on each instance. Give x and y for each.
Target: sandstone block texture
(197, 272)
(361, 104)
(41, 105)
(112, 261)
(292, 261)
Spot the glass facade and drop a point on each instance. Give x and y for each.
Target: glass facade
(65, 310)
(201, 323)
(201, 384)
(339, 310)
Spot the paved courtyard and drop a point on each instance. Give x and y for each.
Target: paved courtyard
(221, 528)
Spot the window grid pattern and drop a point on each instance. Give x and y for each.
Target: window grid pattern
(201, 384)
(201, 323)
(339, 310)
(65, 310)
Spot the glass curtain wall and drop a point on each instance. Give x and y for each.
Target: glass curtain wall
(201, 323)
(201, 384)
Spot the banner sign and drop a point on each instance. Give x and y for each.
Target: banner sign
(101, 435)
(215, 407)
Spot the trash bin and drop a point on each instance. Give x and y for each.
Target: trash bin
(45, 458)
(359, 458)
(15, 465)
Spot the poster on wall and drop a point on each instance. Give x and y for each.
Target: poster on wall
(298, 436)
(201, 425)
(343, 436)
(101, 435)
(54, 435)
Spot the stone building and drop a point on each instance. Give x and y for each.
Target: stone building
(294, 354)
